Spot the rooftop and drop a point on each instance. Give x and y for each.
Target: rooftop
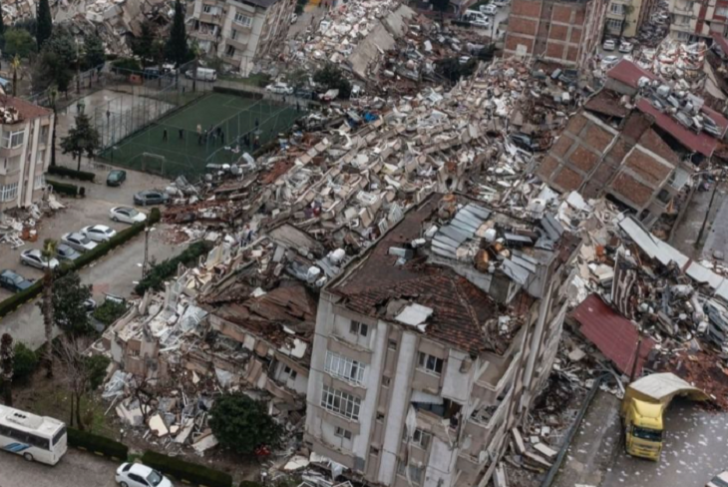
(25, 109)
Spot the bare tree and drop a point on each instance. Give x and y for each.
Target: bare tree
(7, 363)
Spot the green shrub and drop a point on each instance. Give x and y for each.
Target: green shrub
(109, 312)
(26, 362)
(155, 216)
(18, 299)
(71, 173)
(97, 444)
(126, 64)
(165, 269)
(64, 188)
(186, 471)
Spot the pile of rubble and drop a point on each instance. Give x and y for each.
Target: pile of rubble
(676, 62)
(20, 225)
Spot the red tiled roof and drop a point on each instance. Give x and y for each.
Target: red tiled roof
(702, 142)
(629, 73)
(27, 110)
(613, 334)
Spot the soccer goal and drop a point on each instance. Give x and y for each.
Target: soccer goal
(153, 163)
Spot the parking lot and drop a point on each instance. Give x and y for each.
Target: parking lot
(74, 470)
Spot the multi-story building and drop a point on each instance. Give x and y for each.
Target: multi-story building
(241, 31)
(626, 17)
(24, 151)
(431, 345)
(556, 31)
(692, 20)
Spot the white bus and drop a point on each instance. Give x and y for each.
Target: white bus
(37, 438)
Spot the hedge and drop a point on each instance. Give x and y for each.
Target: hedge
(99, 445)
(13, 302)
(186, 471)
(64, 188)
(162, 271)
(71, 173)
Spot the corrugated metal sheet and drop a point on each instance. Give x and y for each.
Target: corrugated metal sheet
(462, 227)
(613, 334)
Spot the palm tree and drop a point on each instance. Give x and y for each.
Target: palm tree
(46, 305)
(15, 64)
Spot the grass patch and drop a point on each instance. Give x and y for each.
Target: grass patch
(259, 79)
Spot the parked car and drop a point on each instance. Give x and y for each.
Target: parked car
(12, 281)
(279, 89)
(626, 47)
(489, 9)
(98, 233)
(138, 475)
(609, 45)
(153, 197)
(65, 252)
(720, 480)
(609, 62)
(116, 177)
(124, 214)
(34, 258)
(304, 93)
(202, 74)
(294, 18)
(501, 3)
(78, 241)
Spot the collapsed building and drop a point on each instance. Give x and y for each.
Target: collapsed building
(435, 342)
(636, 141)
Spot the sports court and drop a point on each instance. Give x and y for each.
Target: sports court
(230, 125)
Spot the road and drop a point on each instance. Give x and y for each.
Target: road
(76, 469)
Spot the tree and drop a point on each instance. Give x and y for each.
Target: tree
(45, 23)
(19, 42)
(69, 296)
(298, 78)
(7, 362)
(94, 53)
(441, 6)
(46, 304)
(25, 364)
(177, 49)
(142, 46)
(15, 64)
(83, 138)
(242, 424)
(332, 78)
(56, 62)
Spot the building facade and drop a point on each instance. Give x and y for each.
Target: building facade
(692, 21)
(435, 342)
(562, 32)
(624, 18)
(24, 151)
(241, 31)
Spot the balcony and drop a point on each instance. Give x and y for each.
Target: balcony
(215, 19)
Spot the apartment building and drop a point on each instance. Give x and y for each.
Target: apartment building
(24, 151)
(241, 31)
(624, 18)
(693, 20)
(563, 32)
(435, 342)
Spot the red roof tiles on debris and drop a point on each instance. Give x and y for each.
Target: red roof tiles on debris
(613, 334)
(702, 142)
(27, 110)
(629, 73)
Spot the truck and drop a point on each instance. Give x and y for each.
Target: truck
(643, 406)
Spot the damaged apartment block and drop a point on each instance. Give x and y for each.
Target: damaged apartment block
(432, 344)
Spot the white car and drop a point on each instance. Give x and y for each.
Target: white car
(294, 18)
(138, 475)
(78, 241)
(609, 62)
(279, 89)
(489, 9)
(501, 3)
(626, 47)
(34, 258)
(719, 480)
(609, 45)
(124, 214)
(98, 233)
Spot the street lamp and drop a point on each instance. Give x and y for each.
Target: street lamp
(147, 231)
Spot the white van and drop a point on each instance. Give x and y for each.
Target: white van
(203, 74)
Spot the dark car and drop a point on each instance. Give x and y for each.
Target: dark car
(116, 177)
(13, 281)
(66, 253)
(152, 197)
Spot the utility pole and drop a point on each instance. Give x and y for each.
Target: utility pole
(78, 69)
(147, 231)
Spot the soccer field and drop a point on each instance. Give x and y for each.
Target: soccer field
(183, 151)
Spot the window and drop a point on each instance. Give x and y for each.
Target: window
(415, 473)
(393, 344)
(421, 438)
(617, 8)
(41, 157)
(681, 20)
(386, 381)
(233, 34)
(9, 192)
(359, 328)
(344, 368)
(230, 51)
(342, 433)
(721, 11)
(207, 8)
(39, 182)
(374, 451)
(430, 363)
(683, 36)
(340, 402)
(44, 132)
(13, 139)
(380, 416)
(292, 374)
(243, 20)
(614, 24)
